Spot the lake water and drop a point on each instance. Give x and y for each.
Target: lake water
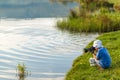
(33, 9)
(47, 52)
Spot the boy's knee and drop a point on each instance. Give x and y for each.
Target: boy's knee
(91, 60)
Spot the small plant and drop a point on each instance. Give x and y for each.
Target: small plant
(22, 72)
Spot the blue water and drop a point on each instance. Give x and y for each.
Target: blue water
(33, 9)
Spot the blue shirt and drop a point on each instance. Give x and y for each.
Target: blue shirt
(103, 57)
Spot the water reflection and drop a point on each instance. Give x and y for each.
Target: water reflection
(62, 1)
(33, 9)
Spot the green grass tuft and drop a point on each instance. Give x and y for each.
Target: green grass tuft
(22, 72)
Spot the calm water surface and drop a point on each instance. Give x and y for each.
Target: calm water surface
(47, 52)
(33, 9)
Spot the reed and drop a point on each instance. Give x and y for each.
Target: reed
(104, 22)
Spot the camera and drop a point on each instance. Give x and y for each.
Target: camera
(91, 50)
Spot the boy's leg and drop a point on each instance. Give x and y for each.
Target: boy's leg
(94, 62)
(98, 64)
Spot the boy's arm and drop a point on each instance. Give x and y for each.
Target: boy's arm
(94, 56)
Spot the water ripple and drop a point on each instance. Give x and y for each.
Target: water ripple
(47, 52)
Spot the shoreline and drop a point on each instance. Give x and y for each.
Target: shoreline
(82, 70)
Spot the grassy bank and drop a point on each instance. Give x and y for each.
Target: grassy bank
(81, 70)
(98, 23)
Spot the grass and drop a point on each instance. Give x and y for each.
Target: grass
(104, 22)
(81, 70)
(115, 1)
